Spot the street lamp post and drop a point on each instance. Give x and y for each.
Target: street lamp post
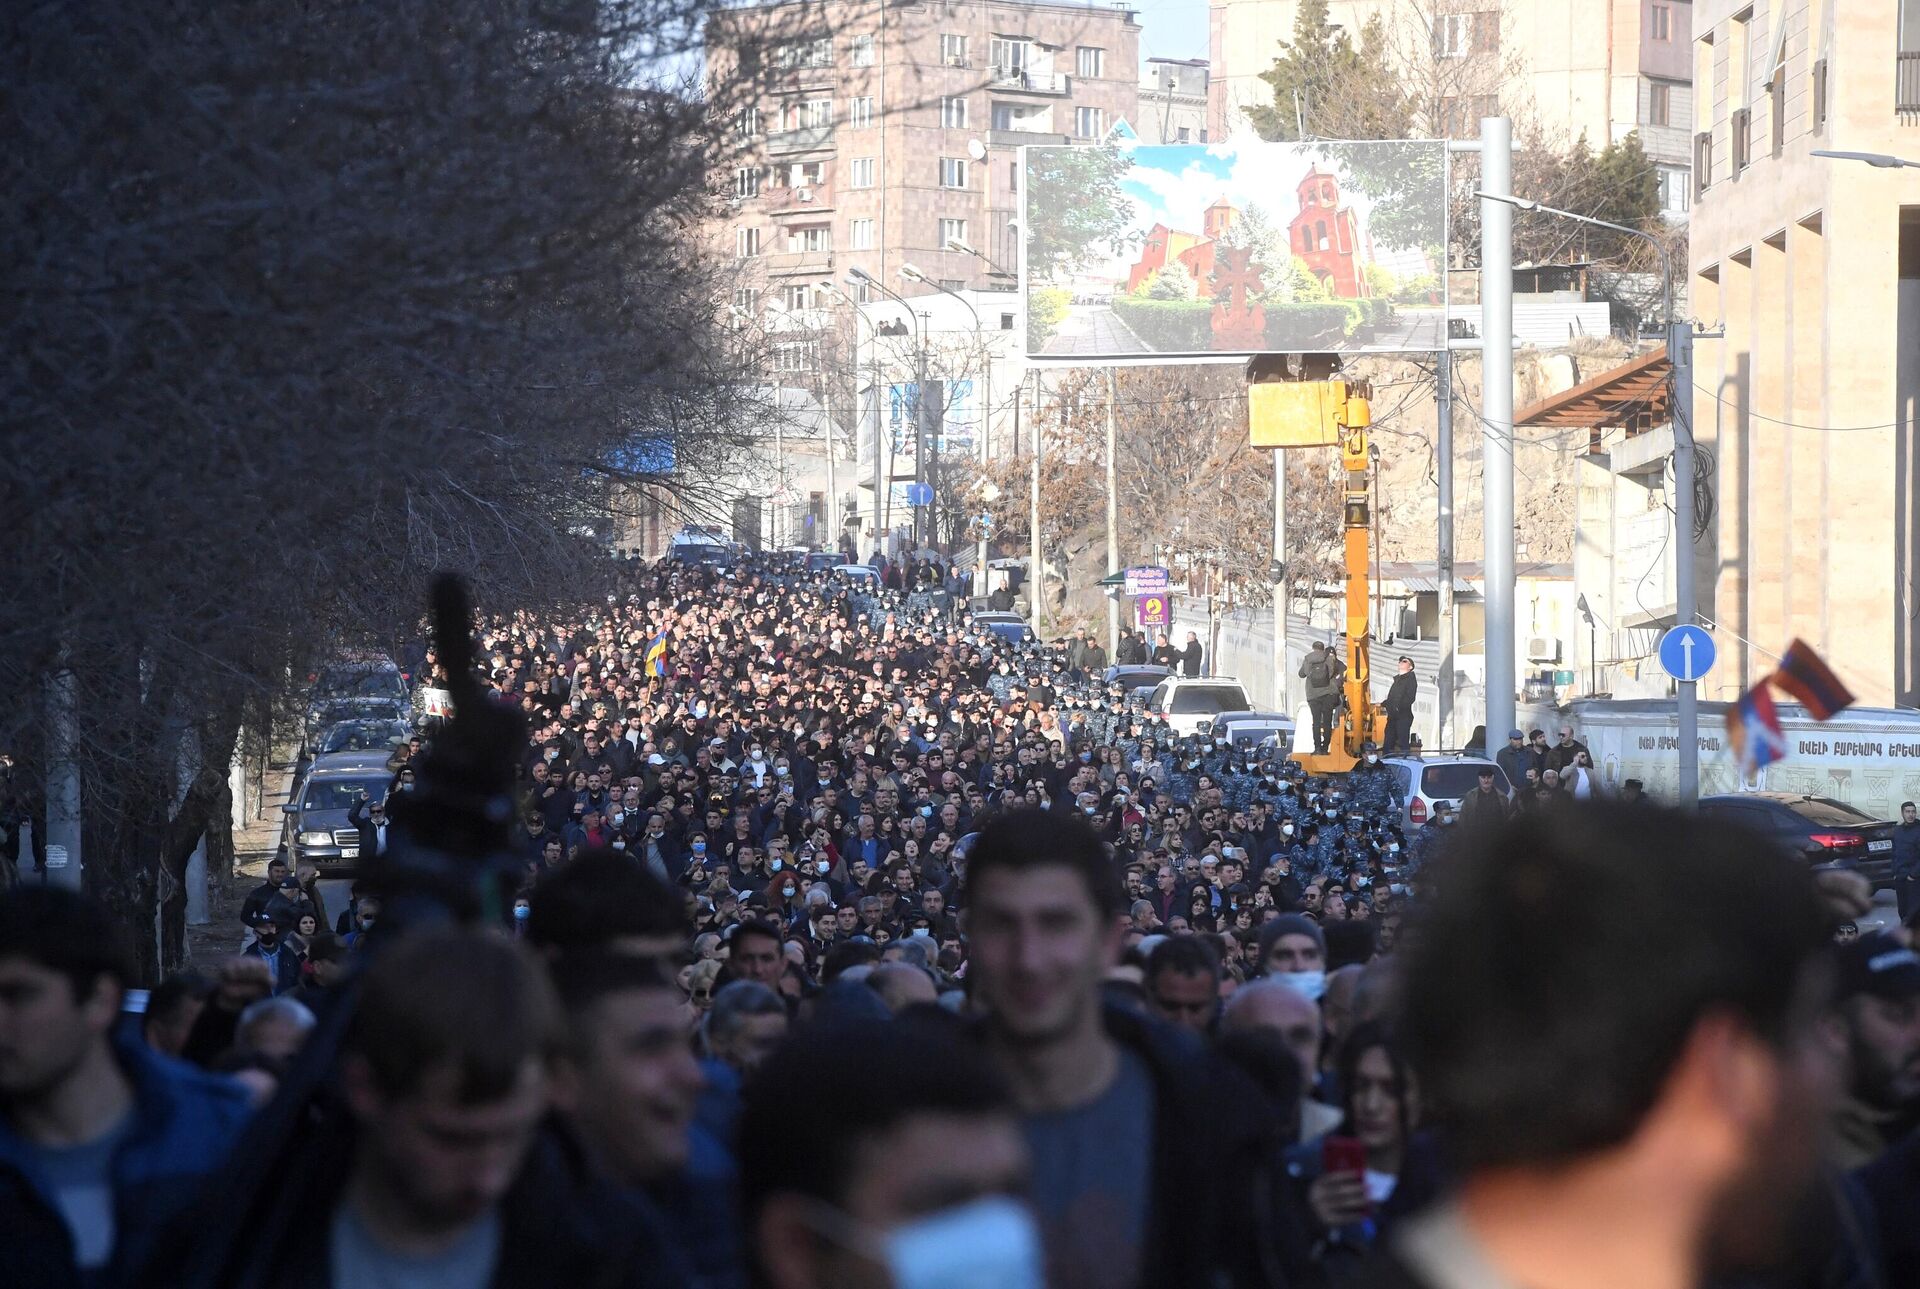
(834, 520)
(1679, 334)
(922, 515)
(913, 274)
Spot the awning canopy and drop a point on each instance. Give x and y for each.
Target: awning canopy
(1633, 395)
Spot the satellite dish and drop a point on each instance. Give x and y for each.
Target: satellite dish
(976, 149)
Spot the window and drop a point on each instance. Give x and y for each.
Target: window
(952, 230)
(860, 51)
(747, 124)
(1659, 103)
(952, 284)
(1006, 322)
(818, 53)
(1675, 193)
(1460, 117)
(746, 299)
(1089, 122)
(1009, 56)
(793, 356)
(746, 242)
(1486, 32)
(1320, 233)
(1181, 134)
(1453, 36)
(953, 172)
(746, 182)
(796, 297)
(860, 174)
(860, 112)
(861, 231)
(1091, 62)
(810, 237)
(953, 113)
(1660, 22)
(953, 49)
(816, 113)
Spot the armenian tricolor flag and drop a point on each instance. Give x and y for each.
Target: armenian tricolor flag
(1753, 727)
(657, 655)
(1806, 677)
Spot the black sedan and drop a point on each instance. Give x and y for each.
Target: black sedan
(1821, 829)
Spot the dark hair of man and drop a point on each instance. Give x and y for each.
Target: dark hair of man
(1029, 838)
(173, 993)
(845, 956)
(767, 930)
(585, 976)
(65, 932)
(463, 998)
(1577, 950)
(1183, 955)
(603, 896)
(1349, 941)
(857, 1080)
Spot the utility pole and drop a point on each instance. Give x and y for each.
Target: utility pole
(1035, 582)
(1443, 680)
(922, 452)
(1280, 667)
(1496, 414)
(1113, 525)
(1685, 611)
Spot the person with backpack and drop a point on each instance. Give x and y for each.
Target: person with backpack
(1322, 671)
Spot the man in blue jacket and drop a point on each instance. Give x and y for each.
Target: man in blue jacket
(102, 1140)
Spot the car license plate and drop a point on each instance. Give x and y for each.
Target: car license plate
(349, 852)
(1880, 845)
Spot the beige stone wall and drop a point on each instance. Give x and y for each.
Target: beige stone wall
(1797, 255)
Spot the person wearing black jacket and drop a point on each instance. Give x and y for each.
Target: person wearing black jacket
(1154, 1161)
(1399, 707)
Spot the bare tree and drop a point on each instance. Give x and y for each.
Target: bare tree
(308, 300)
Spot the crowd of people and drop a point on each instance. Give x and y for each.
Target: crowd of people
(857, 946)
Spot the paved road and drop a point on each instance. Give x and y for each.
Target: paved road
(1094, 329)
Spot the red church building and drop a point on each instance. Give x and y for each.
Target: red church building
(1192, 250)
(1328, 236)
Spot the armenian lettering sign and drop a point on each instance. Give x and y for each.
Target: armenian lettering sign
(1196, 253)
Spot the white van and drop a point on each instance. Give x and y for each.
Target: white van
(1187, 704)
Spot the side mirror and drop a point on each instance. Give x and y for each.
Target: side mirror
(290, 807)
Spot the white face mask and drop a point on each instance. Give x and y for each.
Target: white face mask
(1310, 983)
(989, 1242)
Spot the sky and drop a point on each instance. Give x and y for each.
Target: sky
(1172, 28)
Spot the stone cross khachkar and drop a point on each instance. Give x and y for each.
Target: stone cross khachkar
(1238, 321)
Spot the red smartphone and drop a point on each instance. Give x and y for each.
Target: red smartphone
(1343, 1155)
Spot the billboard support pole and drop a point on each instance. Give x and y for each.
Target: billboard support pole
(1443, 680)
(1280, 582)
(1496, 431)
(1113, 525)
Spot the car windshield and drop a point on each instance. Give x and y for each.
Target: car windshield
(1140, 680)
(1189, 700)
(333, 710)
(1457, 780)
(360, 682)
(363, 738)
(1829, 813)
(340, 794)
(1251, 731)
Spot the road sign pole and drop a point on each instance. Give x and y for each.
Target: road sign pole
(1680, 356)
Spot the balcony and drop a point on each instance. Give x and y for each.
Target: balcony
(799, 263)
(1022, 80)
(1906, 92)
(802, 198)
(1014, 138)
(810, 138)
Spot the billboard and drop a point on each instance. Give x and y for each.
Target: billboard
(1204, 252)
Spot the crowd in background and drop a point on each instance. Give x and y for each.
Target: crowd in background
(856, 945)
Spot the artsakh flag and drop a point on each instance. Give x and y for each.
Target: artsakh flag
(1753, 727)
(657, 655)
(1804, 675)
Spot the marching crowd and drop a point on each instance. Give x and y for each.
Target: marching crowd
(857, 946)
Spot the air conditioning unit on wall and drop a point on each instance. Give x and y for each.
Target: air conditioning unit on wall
(1543, 649)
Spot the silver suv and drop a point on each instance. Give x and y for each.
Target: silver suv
(1425, 782)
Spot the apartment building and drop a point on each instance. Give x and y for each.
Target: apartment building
(1173, 101)
(1602, 68)
(1807, 407)
(889, 134)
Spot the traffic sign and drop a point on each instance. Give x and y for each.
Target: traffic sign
(1153, 611)
(1145, 579)
(919, 494)
(1686, 653)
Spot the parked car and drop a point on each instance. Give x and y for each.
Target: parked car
(1245, 730)
(1425, 782)
(316, 818)
(1135, 675)
(1188, 703)
(1010, 627)
(1819, 829)
(865, 574)
(821, 561)
(369, 689)
(361, 735)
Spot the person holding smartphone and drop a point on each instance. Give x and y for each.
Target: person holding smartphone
(1350, 1181)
